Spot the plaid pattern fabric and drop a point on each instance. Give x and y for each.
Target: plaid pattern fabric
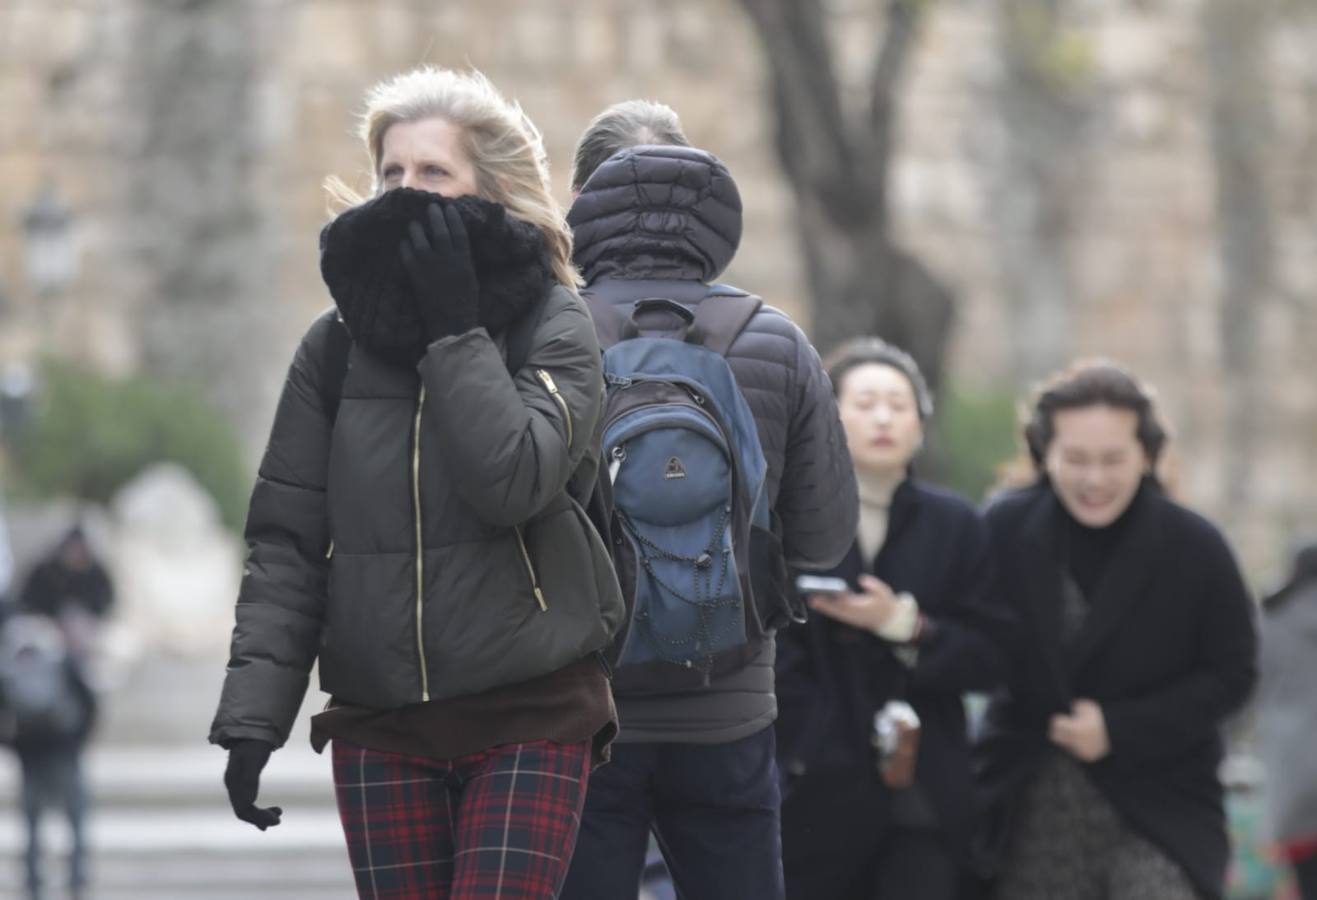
(496, 824)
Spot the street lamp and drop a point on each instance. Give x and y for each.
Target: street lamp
(17, 383)
(50, 251)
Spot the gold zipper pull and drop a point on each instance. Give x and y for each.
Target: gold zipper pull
(530, 570)
(329, 554)
(549, 385)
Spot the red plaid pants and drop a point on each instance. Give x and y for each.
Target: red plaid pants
(497, 824)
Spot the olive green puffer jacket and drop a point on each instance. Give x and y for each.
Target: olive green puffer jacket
(459, 459)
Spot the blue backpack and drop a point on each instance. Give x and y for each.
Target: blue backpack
(693, 538)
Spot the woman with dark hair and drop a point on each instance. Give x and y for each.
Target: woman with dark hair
(1099, 757)
(914, 623)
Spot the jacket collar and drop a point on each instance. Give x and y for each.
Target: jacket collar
(903, 512)
(1122, 585)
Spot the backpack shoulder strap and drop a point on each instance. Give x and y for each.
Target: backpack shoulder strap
(335, 365)
(607, 318)
(723, 315)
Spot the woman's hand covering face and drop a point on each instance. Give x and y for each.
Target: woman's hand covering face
(437, 258)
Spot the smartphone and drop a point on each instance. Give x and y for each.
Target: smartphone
(820, 584)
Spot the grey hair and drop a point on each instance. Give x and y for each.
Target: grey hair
(626, 124)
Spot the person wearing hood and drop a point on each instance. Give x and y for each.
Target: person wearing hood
(1098, 760)
(919, 624)
(1287, 720)
(417, 523)
(695, 759)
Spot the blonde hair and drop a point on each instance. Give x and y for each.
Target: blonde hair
(505, 147)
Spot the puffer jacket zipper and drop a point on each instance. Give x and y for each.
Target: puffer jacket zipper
(420, 546)
(530, 570)
(547, 380)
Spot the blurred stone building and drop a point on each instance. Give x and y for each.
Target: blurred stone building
(1074, 182)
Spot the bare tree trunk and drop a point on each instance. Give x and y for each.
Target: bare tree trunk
(1033, 187)
(837, 164)
(1235, 36)
(189, 212)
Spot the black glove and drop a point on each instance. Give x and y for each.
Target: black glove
(243, 777)
(443, 277)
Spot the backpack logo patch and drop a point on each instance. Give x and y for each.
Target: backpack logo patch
(674, 469)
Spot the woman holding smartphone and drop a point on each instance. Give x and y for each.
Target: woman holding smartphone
(908, 616)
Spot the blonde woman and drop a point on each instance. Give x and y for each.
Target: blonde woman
(417, 522)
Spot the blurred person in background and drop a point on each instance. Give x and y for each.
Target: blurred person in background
(46, 698)
(1288, 718)
(417, 522)
(918, 624)
(71, 587)
(695, 761)
(1099, 759)
(46, 716)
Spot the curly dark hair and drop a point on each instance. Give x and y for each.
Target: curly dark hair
(1092, 383)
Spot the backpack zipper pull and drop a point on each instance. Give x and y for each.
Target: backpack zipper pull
(618, 457)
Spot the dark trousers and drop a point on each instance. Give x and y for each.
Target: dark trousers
(712, 807)
(52, 779)
(1305, 873)
(839, 843)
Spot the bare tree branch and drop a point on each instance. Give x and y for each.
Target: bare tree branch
(837, 166)
(812, 137)
(903, 17)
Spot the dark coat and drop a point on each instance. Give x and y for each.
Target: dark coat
(832, 677)
(1168, 649)
(53, 589)
(458, 458)
(664, 221)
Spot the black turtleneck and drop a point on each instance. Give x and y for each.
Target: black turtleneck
(1088, 550)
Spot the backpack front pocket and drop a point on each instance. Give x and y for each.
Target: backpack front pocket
(673, 490)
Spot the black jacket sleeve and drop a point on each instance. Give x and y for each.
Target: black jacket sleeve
(1166, 722)
(819, 502)
(284, 585)
(966, 650)
(514, 441)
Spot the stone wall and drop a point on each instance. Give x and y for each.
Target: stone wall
(191, 140)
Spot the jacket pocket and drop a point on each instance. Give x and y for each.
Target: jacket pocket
(530, 570)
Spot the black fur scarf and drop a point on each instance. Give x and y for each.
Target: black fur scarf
(360, 263)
